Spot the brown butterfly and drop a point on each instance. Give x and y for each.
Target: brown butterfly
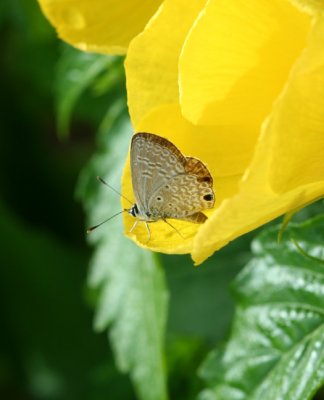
(166, 184)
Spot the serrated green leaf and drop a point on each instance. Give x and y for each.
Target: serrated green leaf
(75, 72)
(133, 297)
(276, 348)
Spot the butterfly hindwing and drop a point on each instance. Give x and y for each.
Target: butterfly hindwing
(180, 197)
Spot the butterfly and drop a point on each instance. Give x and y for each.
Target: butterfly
(167, 184)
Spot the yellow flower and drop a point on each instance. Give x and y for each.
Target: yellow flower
(102, 26)
(238, 84)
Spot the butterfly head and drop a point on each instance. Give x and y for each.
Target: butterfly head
(134, 210)
(146, 216)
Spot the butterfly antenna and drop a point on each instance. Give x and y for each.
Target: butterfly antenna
(89, 230)
(173, 227)
(114, 190)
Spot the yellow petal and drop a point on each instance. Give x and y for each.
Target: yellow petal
(226, 150)
(310, 6)
(237, 58)
(287, 170)
(298, 158)
(103, 26)
(152, 59)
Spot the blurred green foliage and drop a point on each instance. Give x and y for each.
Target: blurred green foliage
(63, 120)
(276, 347)
(48, 349)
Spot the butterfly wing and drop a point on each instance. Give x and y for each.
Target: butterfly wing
(154, 161)
(183, 197)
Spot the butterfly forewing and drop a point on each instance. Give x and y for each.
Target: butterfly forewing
(154, 161)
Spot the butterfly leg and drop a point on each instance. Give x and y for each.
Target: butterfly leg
(173, 227)
(148, 231)
(133, 227)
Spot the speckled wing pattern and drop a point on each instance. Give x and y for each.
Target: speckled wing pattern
(167, 184)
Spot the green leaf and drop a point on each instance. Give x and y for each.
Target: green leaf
(132, 294)
(77, 71)
(276, 347)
